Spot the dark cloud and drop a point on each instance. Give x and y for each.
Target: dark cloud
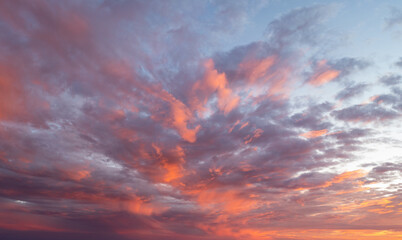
(311, 118)
(351, 91)
(390, 80)
(366, 113)
(387, 167)
(349, 65)
(399, 63)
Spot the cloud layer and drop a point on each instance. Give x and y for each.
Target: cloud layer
(127, 120)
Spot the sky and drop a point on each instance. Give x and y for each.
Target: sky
(201, 119)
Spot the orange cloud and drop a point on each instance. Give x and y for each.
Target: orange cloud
(340, 234)
(223, 229)
(213, 82)
(243, 125)
(256, 134)
(256, 69)
(231, 201)
(344, 177)
(172, 170)
(260, 73)
(278, 89)
(349, 175)
(324, 77)
(79, 175)
(377, 202)
(234, 125)
(181, 115)
(314, 134)
(379, 206)
(338, 179)
(323, 74)
(141, 206)
(373, 98)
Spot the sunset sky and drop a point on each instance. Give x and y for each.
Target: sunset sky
(200, 120)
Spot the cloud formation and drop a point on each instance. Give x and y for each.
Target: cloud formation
(130, 120)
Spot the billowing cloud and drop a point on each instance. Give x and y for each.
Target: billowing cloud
(213, 82)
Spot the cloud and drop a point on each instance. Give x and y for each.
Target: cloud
(298, 26)
(391, 79)
(326, 71)
(399, 63)
(348, 65)
(211, 83)
(129, 120)
(395, 18)
(366, 113)
(323, 74)
(351, 91)
(314, 134)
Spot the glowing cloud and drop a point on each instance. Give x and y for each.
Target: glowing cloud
(211, 83)
(314, 134)
(323, 74)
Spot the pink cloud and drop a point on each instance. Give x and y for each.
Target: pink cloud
(314, 134)
(323, 74)
(213, 82)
